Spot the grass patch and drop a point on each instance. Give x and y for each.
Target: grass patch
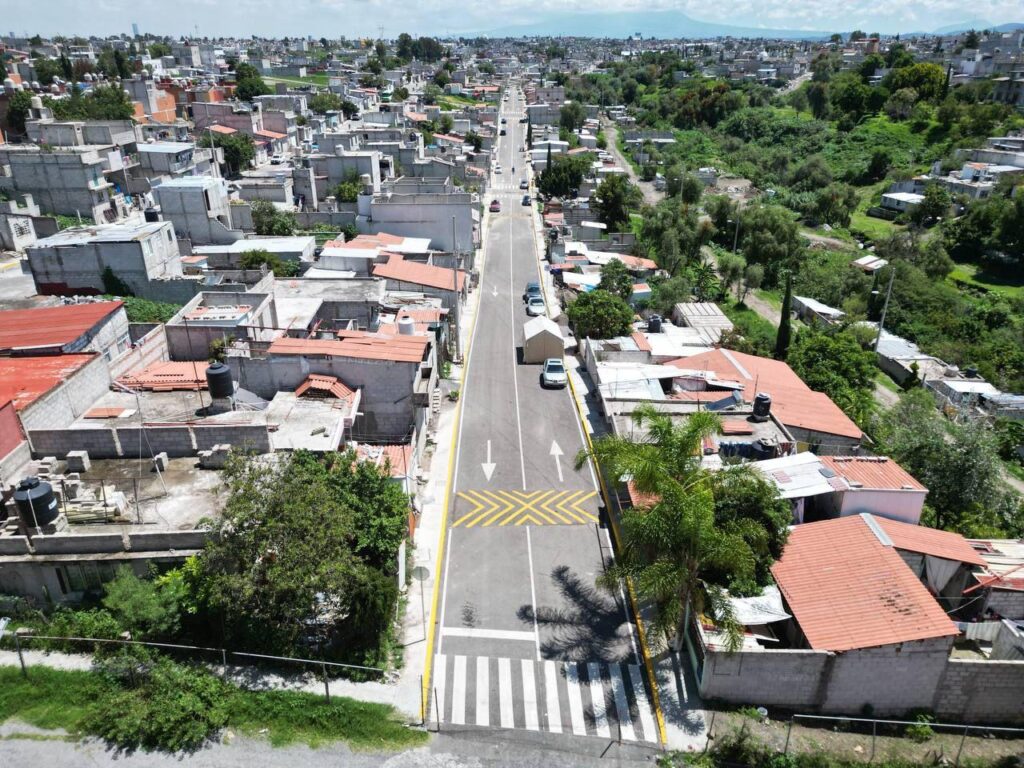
(883, 379)
(758, 333)
(319, 79)
(60, 699)
(977, 277)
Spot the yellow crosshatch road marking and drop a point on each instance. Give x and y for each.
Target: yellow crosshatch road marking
(525, 507)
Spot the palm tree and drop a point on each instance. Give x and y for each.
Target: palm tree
(671, 543)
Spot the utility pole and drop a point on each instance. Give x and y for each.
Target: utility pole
(455, 284)
(885, 307)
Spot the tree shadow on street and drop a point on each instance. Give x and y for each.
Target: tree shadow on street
(590, 626)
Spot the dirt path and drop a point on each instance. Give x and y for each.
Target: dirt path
(611, 133)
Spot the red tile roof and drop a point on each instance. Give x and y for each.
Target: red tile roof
(848, 590)
(929, 541)
(369, 242)
(318, 385)
(25, 379)
(398, 268)
(793, 402)
(221, 129)
(398, 458)
(167, 376)
(51, 327)
(641, 341)
(356, 344)
(271, 135)
(873, 472)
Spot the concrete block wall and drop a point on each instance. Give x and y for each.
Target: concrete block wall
(785, 678)
(100, 443)
(1007, 603)
(73, 397)
(151, 348)
(156, 541)
(250, 438)
(174, 441)
(981, 691)
(893, 679)
(73, 544)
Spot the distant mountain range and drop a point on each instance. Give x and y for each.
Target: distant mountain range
(673, 24)
(661, 24)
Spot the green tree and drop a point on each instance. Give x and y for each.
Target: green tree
(782, 339)
(817, 98)
(690, 189)
(616, 196)
(18, 109)
(349, 188)
(268, 220)
(934, 206)
(600, 315)
(158, 49)
(325, 102)
(958, 463)
(259, 257)
(900, 105)
(564, 176)
(927, 80)
(770, 238)
(305, 551)
(730, 270)
(529, 134)
(239, 149)
(149, 609)
(475, 140)
(571, 116)
(249, 83)
(615, 278)
(836, 364)
(672, 552)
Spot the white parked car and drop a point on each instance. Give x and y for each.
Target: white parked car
(535, 306)
(554, 373)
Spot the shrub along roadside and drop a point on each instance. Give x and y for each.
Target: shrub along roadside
(136, 702)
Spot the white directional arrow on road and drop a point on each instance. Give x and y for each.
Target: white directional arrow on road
(489, 465)
(494, 291)
(556, 451)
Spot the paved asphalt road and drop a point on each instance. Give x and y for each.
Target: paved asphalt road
(525, 641)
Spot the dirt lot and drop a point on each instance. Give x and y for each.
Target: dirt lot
(852, 741)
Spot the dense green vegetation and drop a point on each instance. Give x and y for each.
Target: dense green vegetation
(260, 257)
(134, 701)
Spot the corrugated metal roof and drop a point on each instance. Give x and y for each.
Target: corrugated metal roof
(848, 590)
(793, 402)
(398, 268)
(873, 472)
(51, 326)
(364, 346)
(25, 379)
(929, 541)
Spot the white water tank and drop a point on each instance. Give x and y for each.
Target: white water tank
(406, 326)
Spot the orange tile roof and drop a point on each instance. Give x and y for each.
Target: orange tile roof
(271, 134)
(25, 379)
(397, 458)
(51, 326)
(929, 541)
(636, 262)
(641, 341)
(873, 472)
(318, 385)
(221, 129)
(848, 590)
(793, 402)
(358, 345)
(398, 268)
(167, 376)
(368, 242)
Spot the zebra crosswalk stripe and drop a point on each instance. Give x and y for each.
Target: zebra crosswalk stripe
(646, 718)
(597, 700)
(621, 703)
(505, 693)
(598, 696)
(551, 689)
(459, 691)
(530, 696)
(483, 690)
(572, 677)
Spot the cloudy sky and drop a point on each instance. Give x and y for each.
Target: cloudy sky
(355, 18)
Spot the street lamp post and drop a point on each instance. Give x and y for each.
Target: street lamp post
(736, 236)
(885, 307)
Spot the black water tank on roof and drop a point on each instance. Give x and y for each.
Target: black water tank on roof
(36, 503)
(762, 407)
(151, 214)
(654, 324)
(218, 378)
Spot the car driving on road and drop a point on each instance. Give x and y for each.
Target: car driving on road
(526, 199)
(495, 206)
(524, 184)
(554, 373)
(535, 306)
